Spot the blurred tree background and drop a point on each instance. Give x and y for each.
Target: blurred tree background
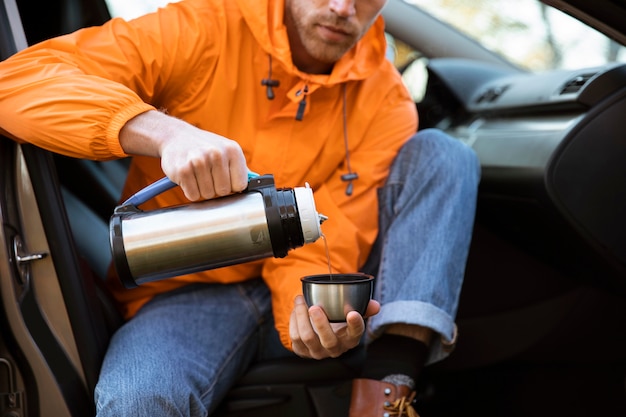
(529, 33)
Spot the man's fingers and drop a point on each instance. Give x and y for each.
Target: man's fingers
(356, 326)
(298, 347)
(205, 165)
(303, 337)
(305, 329)
(373, 308)
(327, 344)
(238, 173)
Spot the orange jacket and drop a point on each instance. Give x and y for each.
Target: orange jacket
(203, 61)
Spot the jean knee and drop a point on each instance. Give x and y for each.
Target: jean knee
(159, 398)
(438, 153)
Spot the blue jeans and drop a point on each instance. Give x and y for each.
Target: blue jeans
(184, 350)
(426, 220)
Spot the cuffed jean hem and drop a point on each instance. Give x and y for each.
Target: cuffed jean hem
(420, 314)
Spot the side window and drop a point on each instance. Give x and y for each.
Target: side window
(411, 64)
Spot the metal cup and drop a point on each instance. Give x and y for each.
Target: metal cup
(338, 294)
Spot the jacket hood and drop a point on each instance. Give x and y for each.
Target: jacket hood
(265, 20)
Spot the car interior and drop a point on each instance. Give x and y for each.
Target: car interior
(542, 314)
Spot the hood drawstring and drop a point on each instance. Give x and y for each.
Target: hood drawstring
(302, 104)
(269, 82)
(350, 176)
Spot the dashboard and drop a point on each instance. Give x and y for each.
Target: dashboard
(552, 149)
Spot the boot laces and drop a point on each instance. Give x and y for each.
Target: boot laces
(402, 407)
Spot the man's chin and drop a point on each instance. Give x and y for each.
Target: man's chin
(329, 54)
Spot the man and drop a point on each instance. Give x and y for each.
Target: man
(205, 89)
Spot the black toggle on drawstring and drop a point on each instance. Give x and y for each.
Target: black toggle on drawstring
(269, 82)
(302, 104)
(350, 176)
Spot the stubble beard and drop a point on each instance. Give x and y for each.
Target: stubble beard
(324, 50)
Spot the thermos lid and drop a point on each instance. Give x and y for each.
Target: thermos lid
(309, 218)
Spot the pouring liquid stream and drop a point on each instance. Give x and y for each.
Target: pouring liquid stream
(330, 269)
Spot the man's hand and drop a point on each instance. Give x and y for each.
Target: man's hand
(203, 164)
(313, 336)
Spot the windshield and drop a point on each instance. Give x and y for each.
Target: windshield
(527, 32)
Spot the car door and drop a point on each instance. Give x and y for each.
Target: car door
(53, 335)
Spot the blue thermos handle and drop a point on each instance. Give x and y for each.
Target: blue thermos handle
(159, 187)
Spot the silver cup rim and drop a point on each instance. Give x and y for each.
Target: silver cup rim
(337, 278)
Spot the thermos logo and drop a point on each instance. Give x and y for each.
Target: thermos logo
(257, 236)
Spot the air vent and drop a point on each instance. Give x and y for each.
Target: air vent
(576, 84)
(491, 94)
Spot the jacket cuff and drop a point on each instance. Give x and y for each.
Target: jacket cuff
(118, 121)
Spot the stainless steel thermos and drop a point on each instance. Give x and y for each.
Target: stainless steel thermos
(260, 222)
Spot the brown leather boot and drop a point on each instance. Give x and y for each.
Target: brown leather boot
(371, 398)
